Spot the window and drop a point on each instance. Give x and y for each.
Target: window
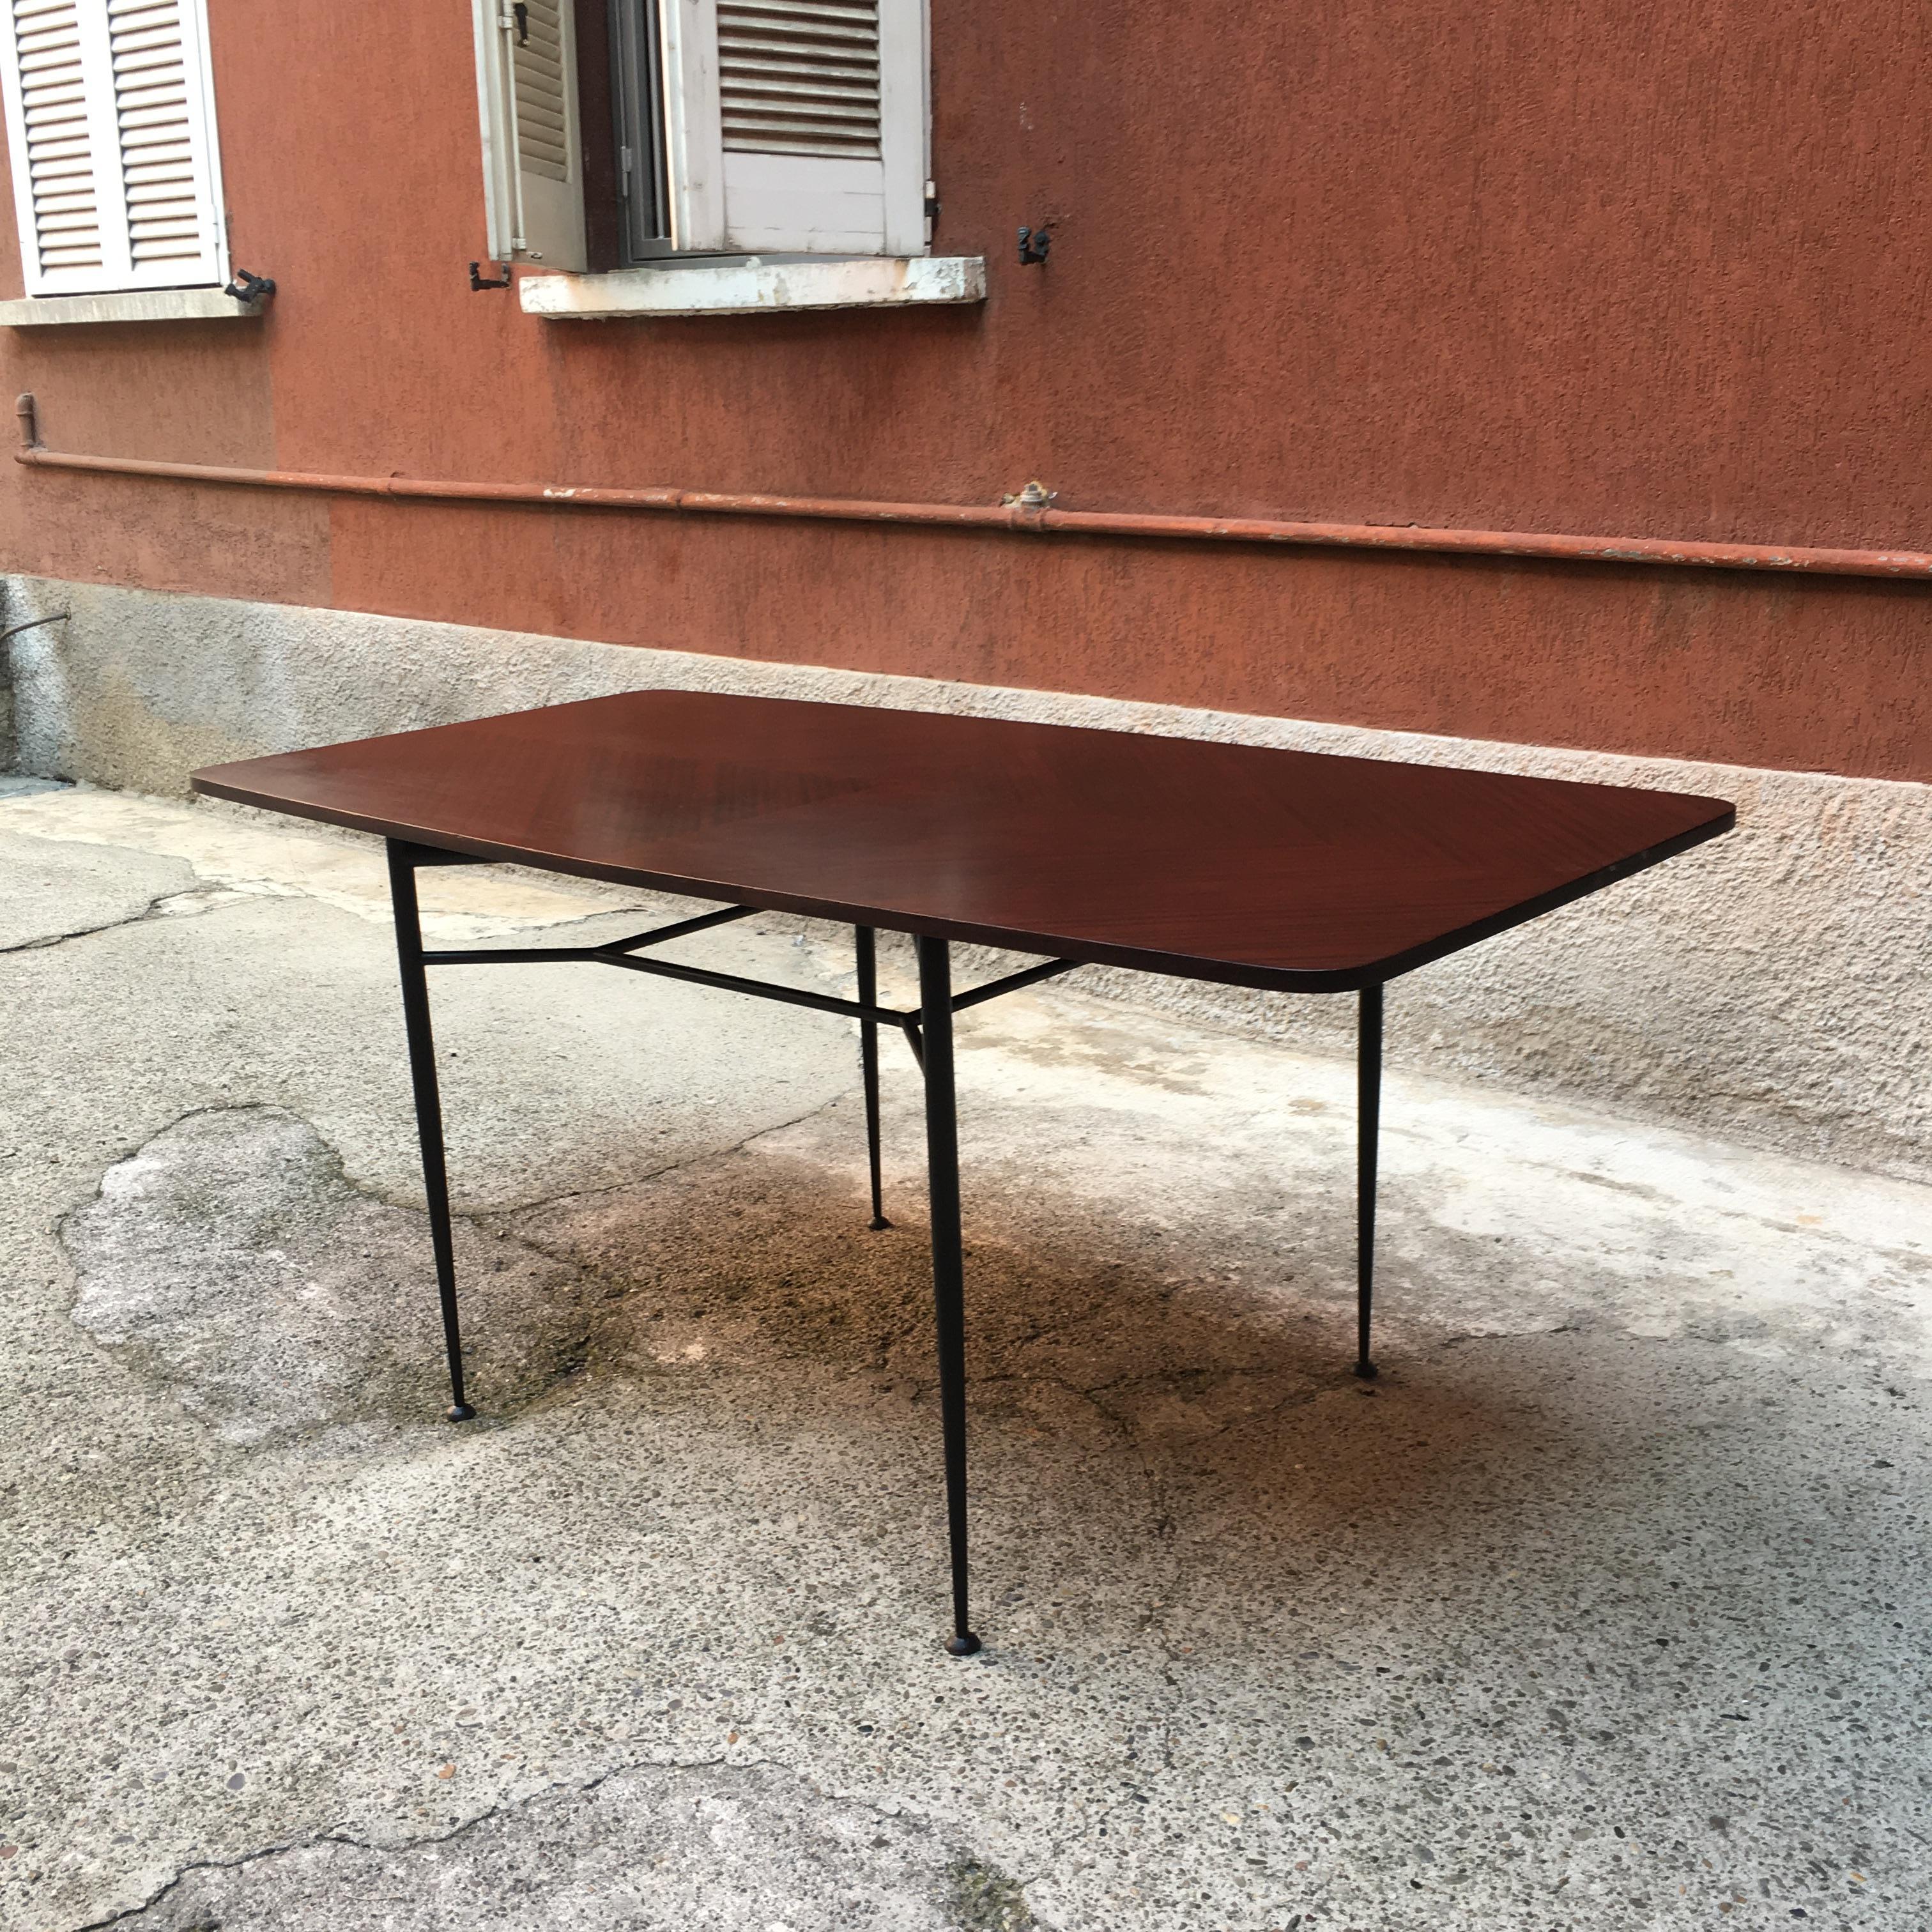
(110, 125)
(738, 127)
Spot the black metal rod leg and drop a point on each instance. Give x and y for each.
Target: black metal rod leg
(1368, 1123)
(948, 1267)
(429, 1108)
(868, 1062)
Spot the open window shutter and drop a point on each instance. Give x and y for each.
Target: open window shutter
(110, 123)
(164, 123)
(796, 126)
(532, 157)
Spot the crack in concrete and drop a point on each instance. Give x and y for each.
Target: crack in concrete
(479, 1216)
(1173, 1379)
(150, 910)
(420, 1843)
(184, 1872)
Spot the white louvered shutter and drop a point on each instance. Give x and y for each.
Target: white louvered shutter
(110, 125)
(796, 126)
(532, 157)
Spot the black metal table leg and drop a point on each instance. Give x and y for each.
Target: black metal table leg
(868, 1061)
(1368, 1121)
(948, 1282)
(429, 1106)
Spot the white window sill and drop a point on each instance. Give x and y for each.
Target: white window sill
(130, 305)
(755, 284)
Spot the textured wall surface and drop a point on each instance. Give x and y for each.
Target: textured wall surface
(1484, 266)
(1775, 986)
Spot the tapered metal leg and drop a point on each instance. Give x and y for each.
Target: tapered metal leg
(429, 1108)
(948, 1273)
(868, 1062)
(1368, 1121)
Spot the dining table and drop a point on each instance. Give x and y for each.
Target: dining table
(1290, 872)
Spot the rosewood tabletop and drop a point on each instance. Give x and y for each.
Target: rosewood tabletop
(1292, 870)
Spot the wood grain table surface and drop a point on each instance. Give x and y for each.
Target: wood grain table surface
(1254, 867)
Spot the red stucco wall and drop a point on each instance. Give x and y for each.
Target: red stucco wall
(1514, 266)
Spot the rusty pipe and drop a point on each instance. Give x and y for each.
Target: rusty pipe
(1038, 517)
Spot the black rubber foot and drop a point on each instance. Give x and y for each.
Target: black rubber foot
(461, 1412)
(1367, 1371)
(967, 1645)
(877, 1223)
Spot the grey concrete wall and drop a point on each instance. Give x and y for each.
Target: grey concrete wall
(1775, 987)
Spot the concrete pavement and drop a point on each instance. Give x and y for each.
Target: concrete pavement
(1606, 1608)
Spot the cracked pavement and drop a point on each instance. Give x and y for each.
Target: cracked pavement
(1606, 1608)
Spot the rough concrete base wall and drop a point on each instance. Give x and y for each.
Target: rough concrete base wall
(1775, 987)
